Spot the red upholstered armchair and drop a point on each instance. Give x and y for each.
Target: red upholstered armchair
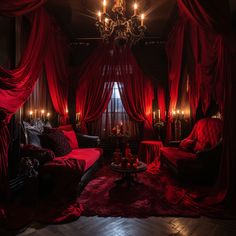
(197, 156)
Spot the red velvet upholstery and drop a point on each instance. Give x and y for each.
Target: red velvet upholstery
(201, 160)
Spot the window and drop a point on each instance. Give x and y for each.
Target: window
(113, 116)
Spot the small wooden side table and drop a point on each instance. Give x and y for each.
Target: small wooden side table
(127, 174)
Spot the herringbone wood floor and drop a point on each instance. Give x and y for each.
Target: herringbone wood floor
(116, 226)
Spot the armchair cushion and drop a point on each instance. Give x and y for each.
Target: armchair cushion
(199, 154)
(187, 144)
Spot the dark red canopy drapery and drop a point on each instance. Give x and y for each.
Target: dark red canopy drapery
(203, 29)
(16, 85)
(57, 70)
(107, 65)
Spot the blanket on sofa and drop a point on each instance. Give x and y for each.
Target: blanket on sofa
(59, 201)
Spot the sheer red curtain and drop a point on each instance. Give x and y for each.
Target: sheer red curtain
(211, 68)
(136, 90)
(57, 70)
(95, 85)
(107, 65)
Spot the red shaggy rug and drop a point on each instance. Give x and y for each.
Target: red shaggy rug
(154, 195)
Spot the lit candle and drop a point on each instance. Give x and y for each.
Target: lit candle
(142, 19)
(48, 114)
(31, 114)
(42, 114)
(104, 6)
(99, 16)
(106, 22)
(158, 114)
(173, 113)
(135, 8)
(154, 115)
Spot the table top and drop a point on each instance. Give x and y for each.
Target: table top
(118, 168)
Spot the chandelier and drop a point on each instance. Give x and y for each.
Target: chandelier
(117, 27)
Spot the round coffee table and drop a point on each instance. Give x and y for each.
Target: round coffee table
(127, 174)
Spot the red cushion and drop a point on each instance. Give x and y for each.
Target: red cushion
(71, 137)
(187, 144)
(89, 155)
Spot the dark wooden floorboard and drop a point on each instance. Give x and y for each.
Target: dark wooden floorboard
(117, 226)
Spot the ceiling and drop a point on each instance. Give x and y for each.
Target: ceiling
(77, 17)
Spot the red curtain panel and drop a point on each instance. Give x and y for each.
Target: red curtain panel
(17, 8)
(109, 64)
(17, 84)
(57, 70)
(210, 74)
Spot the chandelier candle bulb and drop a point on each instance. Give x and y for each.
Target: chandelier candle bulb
(99, 16)
(135, 8)
(142, 19)
(104, 6)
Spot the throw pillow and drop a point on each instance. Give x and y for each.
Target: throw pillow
(71, 137)
(41, 154)
(34, 137)
(57, 142)
(187, 144)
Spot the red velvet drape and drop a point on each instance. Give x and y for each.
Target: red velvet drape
(107, 65)
(95, 86)
(161, 100)
(17, 8)
(57, 70)
(16, 85)
(210, 73)
(136, 90)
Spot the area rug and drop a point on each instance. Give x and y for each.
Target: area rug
(157, 194)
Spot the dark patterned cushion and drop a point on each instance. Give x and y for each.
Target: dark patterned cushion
(41, 154)
(57, 142)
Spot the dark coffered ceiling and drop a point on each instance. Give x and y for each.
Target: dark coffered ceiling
(77, 17)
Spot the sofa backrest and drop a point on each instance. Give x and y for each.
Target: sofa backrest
(207, 133)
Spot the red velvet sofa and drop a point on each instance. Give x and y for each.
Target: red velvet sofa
(74, 168)
(198, 156)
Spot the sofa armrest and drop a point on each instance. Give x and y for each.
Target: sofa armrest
(87, 141)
